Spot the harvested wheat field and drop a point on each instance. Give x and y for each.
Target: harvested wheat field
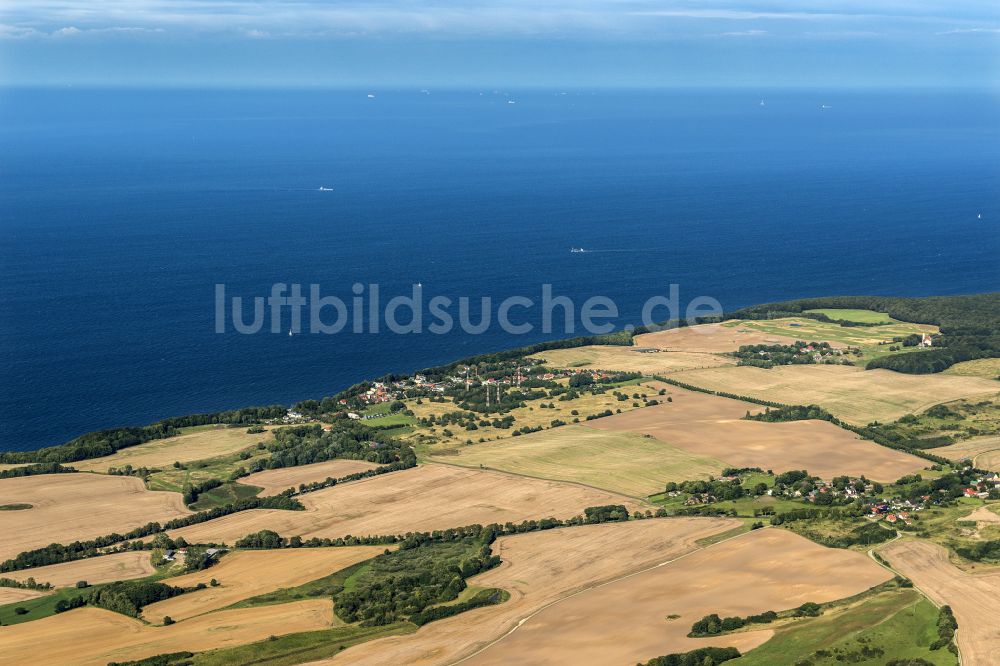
(273, 481)
(10, 595)
(984, 452)
(67, 507)
(192, 444)
(974, 598)
(245, 574)
(628, 359)
(623, 462)
(539, 568)
(94, 570)
(714, 338)
(428, 497)
(762, 570)
(94, 636)
(710, 426)
(851, 393)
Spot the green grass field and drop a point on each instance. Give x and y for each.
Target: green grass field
(896, 624)
(623, 462)
(220, 467)
(860, 316)
(223, 495)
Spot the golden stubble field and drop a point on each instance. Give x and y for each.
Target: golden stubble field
(617, 357)
(713, 427)
(194, 443)
(538, 569)
(769, 569)
(93, 636)
(973, 597)
(94, 570)
(67, 507)
(851, 393)
(712, 338)
(984, 452)
(623, 462)
(246, 574)
(425, 498)
(274, 481)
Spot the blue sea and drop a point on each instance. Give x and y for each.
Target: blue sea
(120, 210)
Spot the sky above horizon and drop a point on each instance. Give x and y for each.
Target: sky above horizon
(403, 43)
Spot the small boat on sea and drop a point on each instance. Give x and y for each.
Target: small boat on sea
(325, 189)
(577, 249)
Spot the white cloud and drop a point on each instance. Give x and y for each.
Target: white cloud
(745, 33)
(971, 31)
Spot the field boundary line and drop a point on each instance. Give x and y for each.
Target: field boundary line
(520, 622)
(871, 554)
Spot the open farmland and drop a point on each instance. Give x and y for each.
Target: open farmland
(274, 481)
(428, 497)
(628, 359)
(538, 569)
(532, 415)
(984, 452)
(855, 395)
(245, 574)
(622, 462)
(763, 570)
(10, 595)
(974, 598)
(860, 316)
(712, 426)
(194, 443)
(66, 507)
(94, 570)
(714, 338)
(94, 636)
(988, 368)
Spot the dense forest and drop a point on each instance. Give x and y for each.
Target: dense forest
(970, 325)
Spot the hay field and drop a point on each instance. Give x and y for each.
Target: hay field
(103, 569)
(428, 497)
(984, 367)
(273, 481)
(94, 636)
(974, 598)
(616, 357)
(193, 443)
(539, 568)
(769, 569)
(984, 452)
(621, 462)
(707, 425)
(713, 338)
(67, 507)
(245, 574)
(10, 595)
(858, 396)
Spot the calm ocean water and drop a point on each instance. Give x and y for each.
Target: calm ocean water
(120, 211)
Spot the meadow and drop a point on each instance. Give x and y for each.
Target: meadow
(713, 426)
(621, 462)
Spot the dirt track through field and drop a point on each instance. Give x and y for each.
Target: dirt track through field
(768, 569)
(539, 568)
(974, 598)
